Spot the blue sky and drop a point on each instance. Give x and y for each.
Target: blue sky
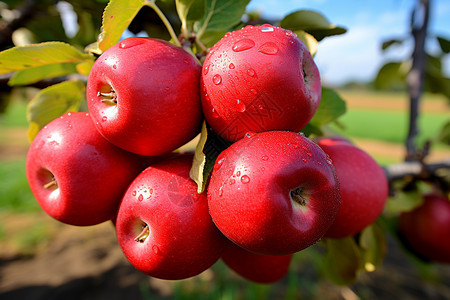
(357, 54)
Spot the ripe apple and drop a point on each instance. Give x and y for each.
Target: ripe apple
(163, 225)
(273, 193)
(259, 78)
(363, 187)
(144, 96)
(427, 228)
(76, 176)
(256, 267)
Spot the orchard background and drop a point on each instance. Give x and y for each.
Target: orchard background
(401, 118)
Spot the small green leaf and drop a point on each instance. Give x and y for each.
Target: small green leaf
(310, 42)
(208, 148)
(220, 15)
(190, 10)
(52, 102)
(444, 43)
(84, 68)
(403, 201)
(343, 260)
(35, 55)
(331, 107)
(386, 44)
(36, 74)
(117, 16)
(312, 22)
(392, 75)
(444, 135)
(373, 247)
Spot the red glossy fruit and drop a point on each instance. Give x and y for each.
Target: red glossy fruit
(273, 193)
(363, 187)
(144, 96)
(259, 78)
(76, 176)
(256, 267)
(163, 225)
(427, 228)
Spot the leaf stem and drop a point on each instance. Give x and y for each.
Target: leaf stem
(173, 35)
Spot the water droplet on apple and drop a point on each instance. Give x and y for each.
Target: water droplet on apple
(221, 191)
(220, 162)
(214, 114)
(305, 160)
(114, 66)
(140, 198)
(156, 249)
(309, 154)
(133, 193)
(250, 134)
(240, 106)
(251, 72)
(232, 181)
(217, 79)
(128, 43)
(253, 91)
(269, 48)
(267, 28)
(104, 118)
(238, 173)
(245, 179)
(205, 69)
(231, 66)
(242, 45)
(265, 158)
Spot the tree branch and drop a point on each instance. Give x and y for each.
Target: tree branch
(17, 17)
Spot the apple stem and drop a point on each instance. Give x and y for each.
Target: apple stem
(296, 196)
(51, 184)
(109, 98)
(143, 235)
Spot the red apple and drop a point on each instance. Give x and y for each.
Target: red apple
(144, 96)
(273, 193)
(363, 187)
(427, 228)
(256, 267)
(76, 176)
(163, 225)
(259, 78)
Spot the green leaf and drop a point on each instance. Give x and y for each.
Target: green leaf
(343, 260)
(312, 22)
(444, 135)
(35, 55)
(117, 16)
(52, 102)
(220, 15)
(403, 201)
(386, 44)
(208, 148)
(392, 75)
(372, 243)
(331, 107)
(444, 43)
(310, 42)
(190, 10)
(36, 74)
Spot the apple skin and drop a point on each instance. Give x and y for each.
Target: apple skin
(182, 240)
(259, 78)
(91, 173)
(156, 89)
(427, 228)
(363, 187)
(258, 268)
(253, 186)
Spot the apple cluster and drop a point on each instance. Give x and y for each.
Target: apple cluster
(271, 193)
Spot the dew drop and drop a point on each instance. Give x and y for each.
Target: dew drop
(250, 134)
(267, 29)
(205, 69)
(214, 114)
(220, 162)
(240, 106)
(265, 158)
(253, 91)
(329, 161)
(245, 179)
(238, 173)
(305, 160)
(128, 43)
(242, 45)
(156, 249)
(217, 79)
(231, 66)
(269, 48)
(251, 72)
(309, 154)
(133, 193)
(140, 198)
(104, 118)
(221, 191)
(114, 66)
(232, 181)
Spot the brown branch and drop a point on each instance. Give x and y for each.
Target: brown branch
(18, 17)
(416, 169)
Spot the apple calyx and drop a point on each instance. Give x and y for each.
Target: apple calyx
(298, 197)
(144, 233)
(109, 98)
